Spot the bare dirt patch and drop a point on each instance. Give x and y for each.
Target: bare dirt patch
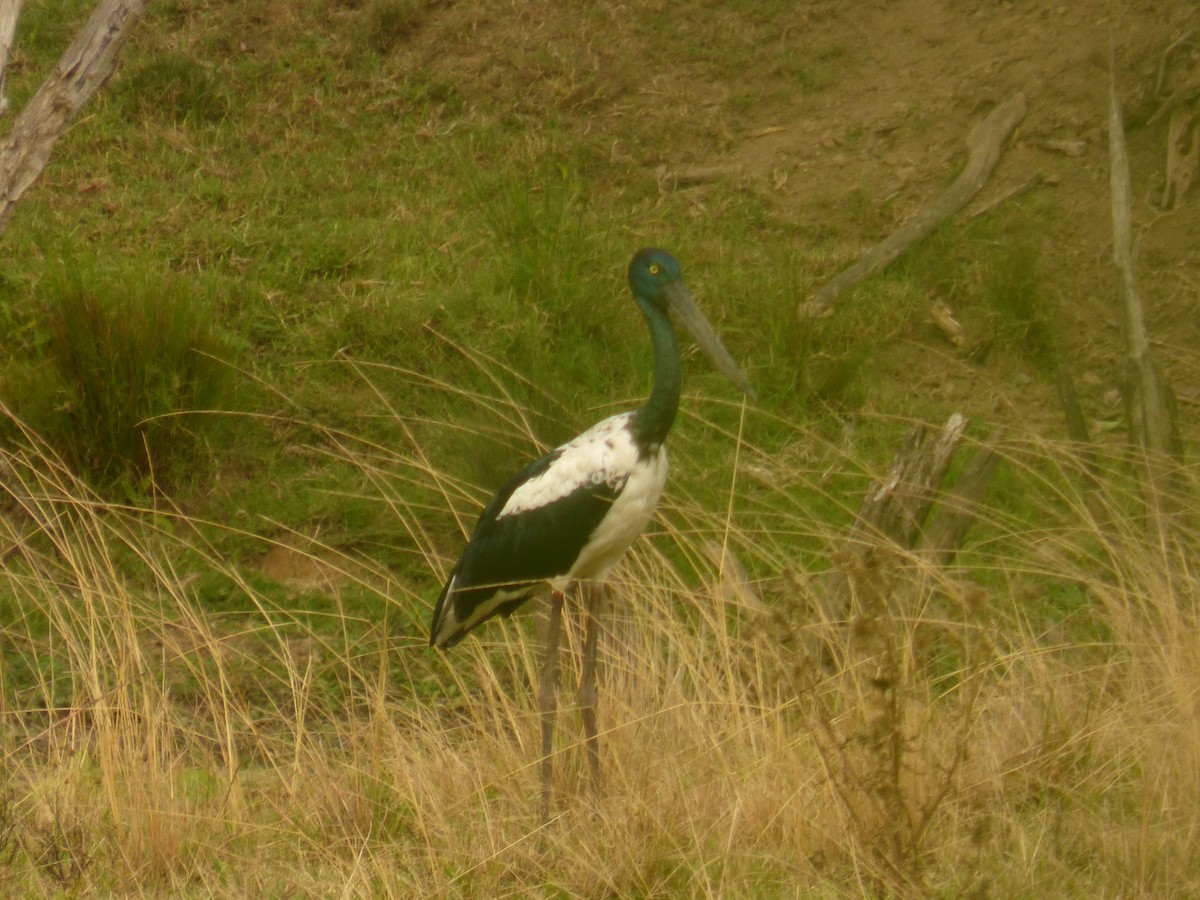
(873, 100)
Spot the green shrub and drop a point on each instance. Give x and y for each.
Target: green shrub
(125, 357)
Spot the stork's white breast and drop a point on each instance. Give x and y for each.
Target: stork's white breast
(630, 514)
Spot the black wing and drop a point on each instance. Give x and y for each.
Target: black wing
(518, 553)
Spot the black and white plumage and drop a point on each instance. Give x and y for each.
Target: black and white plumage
(567, 517)
(571, 515)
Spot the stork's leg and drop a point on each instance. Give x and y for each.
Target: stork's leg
(548, 698)
(587, 684)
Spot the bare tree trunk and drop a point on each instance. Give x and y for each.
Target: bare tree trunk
(874, 600)
(896, 507)
(86, 65)
(895, 514)
(9, 10)
(959, 507)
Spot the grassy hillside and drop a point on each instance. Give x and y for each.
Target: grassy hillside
(309, 280)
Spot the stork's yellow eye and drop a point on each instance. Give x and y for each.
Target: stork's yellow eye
(655, 268)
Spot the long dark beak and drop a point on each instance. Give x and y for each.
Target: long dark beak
(688, 313)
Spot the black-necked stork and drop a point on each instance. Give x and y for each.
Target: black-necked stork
(571, 515)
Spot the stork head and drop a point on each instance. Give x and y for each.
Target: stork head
(656, 279)
(650, 272)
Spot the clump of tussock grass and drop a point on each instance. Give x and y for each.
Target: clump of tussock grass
(386, 23)
(1014, 288)
(176, 87)
(124, 357)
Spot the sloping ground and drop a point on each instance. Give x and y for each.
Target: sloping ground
(852, 117)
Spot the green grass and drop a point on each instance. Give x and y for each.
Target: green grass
(222, 687)
(126, 377)
(175, 88)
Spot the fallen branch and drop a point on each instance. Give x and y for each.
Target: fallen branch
(693, 175)
(985, 143)
(85, 66)
(1151, 406)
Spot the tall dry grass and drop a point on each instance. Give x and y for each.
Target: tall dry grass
(1023, 724)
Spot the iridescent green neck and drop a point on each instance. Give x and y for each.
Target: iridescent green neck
(653, 421)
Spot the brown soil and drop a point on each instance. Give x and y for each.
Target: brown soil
(897, 86)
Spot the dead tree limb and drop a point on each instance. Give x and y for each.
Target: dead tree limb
(1036, 180)
(897, 506)
(1151, 404)
(85, 66)
(985, 144)
(895, 516)
(9, 10)
(1152, 424)
(960, 506)
(893, 563)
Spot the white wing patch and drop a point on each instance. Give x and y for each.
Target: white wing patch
(604, 454)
